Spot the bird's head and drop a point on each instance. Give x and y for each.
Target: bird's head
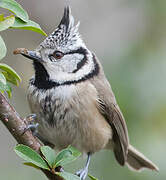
(62, 58)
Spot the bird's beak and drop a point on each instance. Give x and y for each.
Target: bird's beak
(33, 55)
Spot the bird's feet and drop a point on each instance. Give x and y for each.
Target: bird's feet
(82, 173)
(31, 124)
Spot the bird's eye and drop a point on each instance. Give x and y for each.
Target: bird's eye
(57, 55)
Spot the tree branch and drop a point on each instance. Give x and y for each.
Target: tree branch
(16, 126)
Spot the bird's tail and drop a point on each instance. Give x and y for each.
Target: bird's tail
(137, 161)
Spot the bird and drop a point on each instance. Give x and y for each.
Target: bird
(73, 100)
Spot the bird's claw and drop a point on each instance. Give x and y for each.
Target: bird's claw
(30, 118)
(31, 125)
(82, 173)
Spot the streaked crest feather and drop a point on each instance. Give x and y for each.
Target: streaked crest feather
(65, 34)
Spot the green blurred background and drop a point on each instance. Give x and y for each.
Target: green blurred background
(129, 38)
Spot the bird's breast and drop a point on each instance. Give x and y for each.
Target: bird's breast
(69, 115)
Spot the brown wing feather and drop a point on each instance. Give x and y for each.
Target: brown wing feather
(120, 136)
(110, 110)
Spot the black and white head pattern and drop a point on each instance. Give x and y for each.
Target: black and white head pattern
(65, 58)
(66, 35)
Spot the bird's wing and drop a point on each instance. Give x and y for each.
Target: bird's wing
(114, 117)
(110, 110)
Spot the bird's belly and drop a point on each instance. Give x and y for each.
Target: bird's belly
(61, 135)
(75, 125)
(71, 120)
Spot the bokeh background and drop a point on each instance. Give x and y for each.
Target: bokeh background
(129, 38)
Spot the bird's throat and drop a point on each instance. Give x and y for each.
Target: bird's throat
(41, 75)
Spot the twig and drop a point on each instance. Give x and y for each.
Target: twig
(16, 126)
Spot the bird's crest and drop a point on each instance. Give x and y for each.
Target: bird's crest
(65, 34)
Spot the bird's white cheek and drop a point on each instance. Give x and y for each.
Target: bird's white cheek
(52, 68)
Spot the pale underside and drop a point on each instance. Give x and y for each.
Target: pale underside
(76, 118)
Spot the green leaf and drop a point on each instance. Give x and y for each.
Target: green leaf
(31, 165)
(3, 49)
(74, 151)
(10, 78)
(16, 8)
(66, 156)
(68, 176)
(92, 177)
(6, 22)
(30, 155)
(30, 25)
(6, 88)
(1, 17)
(62, 157)
(2, 79)
(11, 71)
(9, 92)
(49, 154)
